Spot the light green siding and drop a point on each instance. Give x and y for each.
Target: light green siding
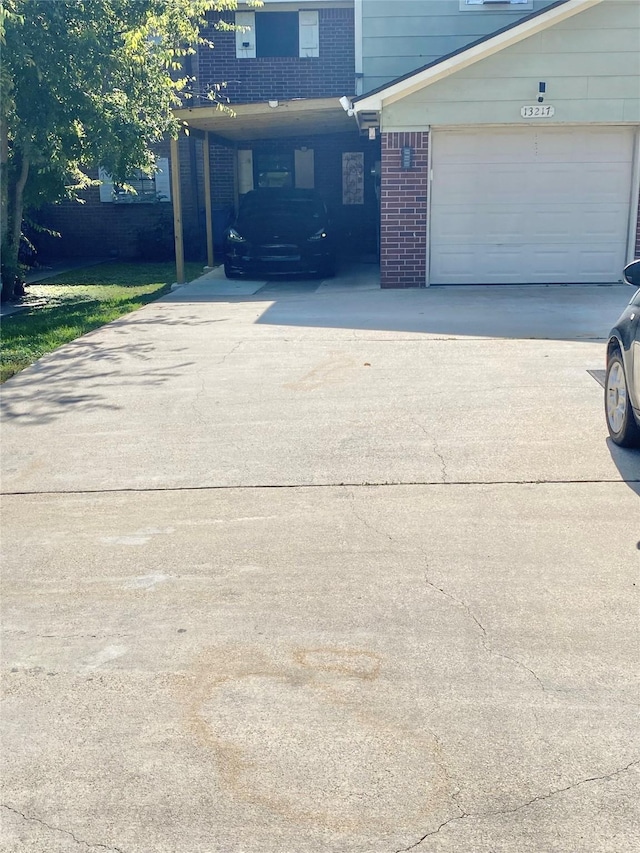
(590, 63)
(399, 36)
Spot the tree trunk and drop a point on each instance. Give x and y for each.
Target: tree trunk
(4, 176)
(4, 193)
(12, 283)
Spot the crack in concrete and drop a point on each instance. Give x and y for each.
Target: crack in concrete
(443, 464)
(21, 633)
(231, 352)
(436, 450)
(364, 484)
(484, 638)
(60, 829)
(525, 805)
(367, 523)
(199, 416)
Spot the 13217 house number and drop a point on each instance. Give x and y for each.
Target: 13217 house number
(537, 111)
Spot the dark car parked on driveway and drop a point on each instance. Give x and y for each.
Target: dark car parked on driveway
(622, 383)
(279, 231)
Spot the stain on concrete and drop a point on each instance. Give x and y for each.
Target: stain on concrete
(305, 739)
(332, 371)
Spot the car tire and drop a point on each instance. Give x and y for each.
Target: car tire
(621, 422)
(328, 269)
(230, 272)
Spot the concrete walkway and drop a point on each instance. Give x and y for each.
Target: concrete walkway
(302, 568)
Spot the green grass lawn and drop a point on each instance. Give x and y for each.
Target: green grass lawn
(68, 305)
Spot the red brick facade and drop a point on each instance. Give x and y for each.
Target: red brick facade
(280, 77)
(403, 213)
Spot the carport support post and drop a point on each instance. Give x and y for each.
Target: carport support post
(177, 210)
(207, 199)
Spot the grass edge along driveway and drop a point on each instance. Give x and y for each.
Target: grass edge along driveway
(64, 307)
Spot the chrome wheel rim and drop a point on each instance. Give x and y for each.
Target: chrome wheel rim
(616, 397)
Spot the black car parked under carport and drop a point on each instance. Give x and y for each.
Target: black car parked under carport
(278, 231)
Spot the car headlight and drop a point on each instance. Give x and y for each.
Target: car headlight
(319, 235)
(234, 237)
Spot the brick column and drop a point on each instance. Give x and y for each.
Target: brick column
(403, 211)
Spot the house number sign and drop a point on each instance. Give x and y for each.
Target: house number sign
(538, 111)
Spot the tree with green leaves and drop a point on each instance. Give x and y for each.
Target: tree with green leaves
(85, 82)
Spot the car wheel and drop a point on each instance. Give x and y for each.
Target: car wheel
(328, 269)
(230, 272)
(621, 422)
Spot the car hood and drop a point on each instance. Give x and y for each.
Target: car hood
(276, 229)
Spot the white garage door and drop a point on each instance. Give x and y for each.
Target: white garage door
(530, 205)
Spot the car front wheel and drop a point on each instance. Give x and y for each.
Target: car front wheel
(230, 272)
(621, 422)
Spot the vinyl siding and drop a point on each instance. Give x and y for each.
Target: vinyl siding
(590, 63)
(400, 36)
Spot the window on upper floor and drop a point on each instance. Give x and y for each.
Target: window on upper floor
(496, 5)
(277, 34)
(265, 34)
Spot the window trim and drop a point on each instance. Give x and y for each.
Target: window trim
(308, 34)
(496, 6)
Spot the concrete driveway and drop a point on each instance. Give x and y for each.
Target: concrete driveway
(303, 567)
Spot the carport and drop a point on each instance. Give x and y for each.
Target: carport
(314, 134)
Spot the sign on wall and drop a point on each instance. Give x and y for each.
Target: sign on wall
(537, 111)
(353, 177)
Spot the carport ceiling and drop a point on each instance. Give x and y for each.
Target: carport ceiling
(300, 117)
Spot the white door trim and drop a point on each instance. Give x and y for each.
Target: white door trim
(634, 201)
(427, 282)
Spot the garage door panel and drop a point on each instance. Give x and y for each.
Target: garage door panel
(509, 147)
(553, 182)
(549, 263)
(604, 224)
(503, 263)
(456, 265)
(453, 226)
(466, 184)
(607, 182)
(457, 226)
(597, 261)
(530, 204)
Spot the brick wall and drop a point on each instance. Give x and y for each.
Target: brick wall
(280, 77)
(96, 229)
(403, 211)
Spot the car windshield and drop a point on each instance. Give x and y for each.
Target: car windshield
(298, 208)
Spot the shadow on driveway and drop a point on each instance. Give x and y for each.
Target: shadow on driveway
(354, 300)
(628, 464)
(79, 375)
